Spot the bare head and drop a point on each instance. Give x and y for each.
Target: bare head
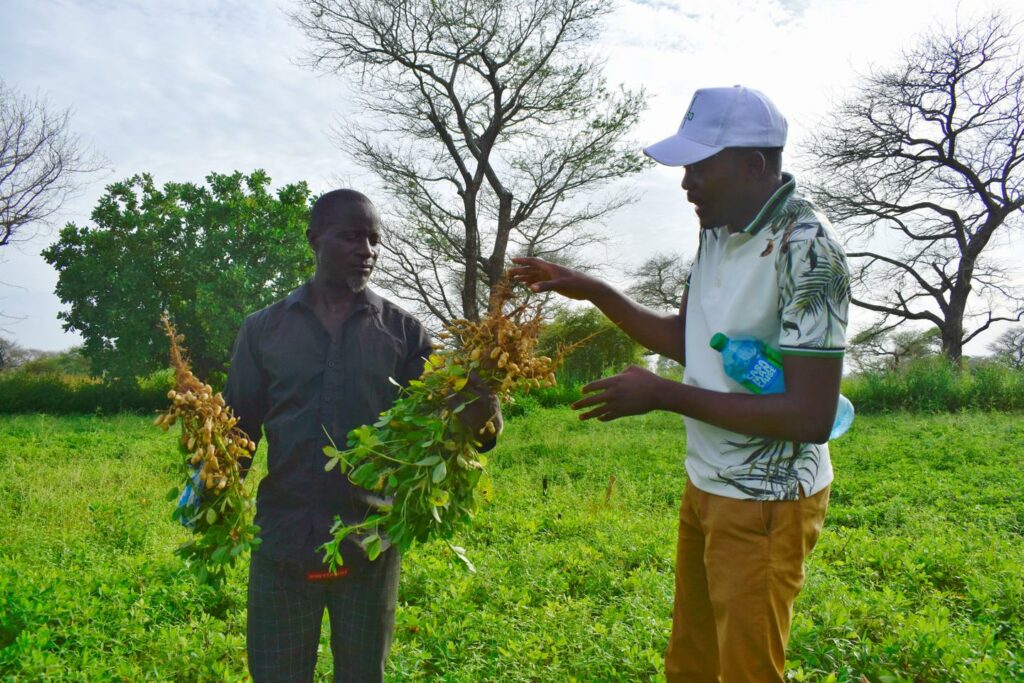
(344, 234)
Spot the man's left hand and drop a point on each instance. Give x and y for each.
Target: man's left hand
(481, 405)
(634, 391)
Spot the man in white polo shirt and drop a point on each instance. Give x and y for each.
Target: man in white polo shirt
(769, 266)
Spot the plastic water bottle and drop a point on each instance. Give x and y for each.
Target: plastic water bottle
(844, 418)
(758, 367)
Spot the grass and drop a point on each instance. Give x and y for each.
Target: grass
(918, 576)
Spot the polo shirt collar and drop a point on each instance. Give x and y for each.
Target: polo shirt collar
(772, 206)
(364, 299)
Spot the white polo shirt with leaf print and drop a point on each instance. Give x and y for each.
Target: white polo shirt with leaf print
(784, 280)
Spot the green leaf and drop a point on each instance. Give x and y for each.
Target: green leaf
(372, 545)
(211, 516)
(173, 494)
(365, 475)
(460, 553)
(439, 473)
(429, 460)
(331, 464)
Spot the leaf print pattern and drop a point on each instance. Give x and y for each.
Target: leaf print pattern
(814, 297)
(814, 281)
(772, 469)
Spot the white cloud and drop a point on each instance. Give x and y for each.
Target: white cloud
(182, 89)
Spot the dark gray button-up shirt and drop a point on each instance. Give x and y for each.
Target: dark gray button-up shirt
(289, 378)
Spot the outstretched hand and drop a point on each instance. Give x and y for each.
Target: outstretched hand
(542, 276)
(634, 391)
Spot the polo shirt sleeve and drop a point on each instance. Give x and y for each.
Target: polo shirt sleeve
(814, 293)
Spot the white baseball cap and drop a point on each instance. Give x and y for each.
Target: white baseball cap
(718, 118)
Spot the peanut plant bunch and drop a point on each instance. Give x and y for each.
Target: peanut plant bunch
(419, 454)
(214, 500)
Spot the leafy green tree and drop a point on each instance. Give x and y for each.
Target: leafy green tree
(489, 124)
(609, 349)
(206, 254)
(70, 362)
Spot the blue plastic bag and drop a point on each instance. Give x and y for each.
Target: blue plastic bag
(188, 501)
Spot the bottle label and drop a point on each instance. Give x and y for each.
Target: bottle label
(762, 374)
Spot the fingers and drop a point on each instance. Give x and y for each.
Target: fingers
(599, 413)
(599, 384)
(542, 286)
(588, 401)
(530, 270)
(604, 413)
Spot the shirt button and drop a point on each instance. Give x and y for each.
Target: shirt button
(331, 364)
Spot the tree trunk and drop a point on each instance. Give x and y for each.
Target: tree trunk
(470, 257)
(953, 329)
(496, 263)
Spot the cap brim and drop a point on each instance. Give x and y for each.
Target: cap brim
(679, 151)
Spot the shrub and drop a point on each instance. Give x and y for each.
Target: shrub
(70, 362)
(61, 394)
(933, 385)
(607, 351)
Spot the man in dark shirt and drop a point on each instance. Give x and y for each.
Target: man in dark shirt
(319, 362)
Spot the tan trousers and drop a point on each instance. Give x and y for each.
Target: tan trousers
(739, 567)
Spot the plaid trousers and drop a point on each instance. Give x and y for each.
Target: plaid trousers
(285, 611)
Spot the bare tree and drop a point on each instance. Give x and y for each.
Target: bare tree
(659, 282)
(41, 162)
(487, 122)
(1009, 347)
(922, 168)
(13, 355)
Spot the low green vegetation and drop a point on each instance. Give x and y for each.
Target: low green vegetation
(57, 393)
(928, 385)
(932, 385)
(919, 575)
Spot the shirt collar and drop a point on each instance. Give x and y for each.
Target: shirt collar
(364, 299)
(772, 206)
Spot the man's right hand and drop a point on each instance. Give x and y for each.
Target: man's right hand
(541, 276)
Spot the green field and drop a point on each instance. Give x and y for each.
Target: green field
(919, 574)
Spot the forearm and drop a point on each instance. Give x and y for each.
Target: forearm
(663, 333)
(774, 416)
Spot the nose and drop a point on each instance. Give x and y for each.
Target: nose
(366, 249)
(688, 180)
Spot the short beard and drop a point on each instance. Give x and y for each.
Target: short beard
(357, 283)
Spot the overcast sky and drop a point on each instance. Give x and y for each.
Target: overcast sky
(180, 89)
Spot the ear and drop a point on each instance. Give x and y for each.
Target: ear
(757, 164)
